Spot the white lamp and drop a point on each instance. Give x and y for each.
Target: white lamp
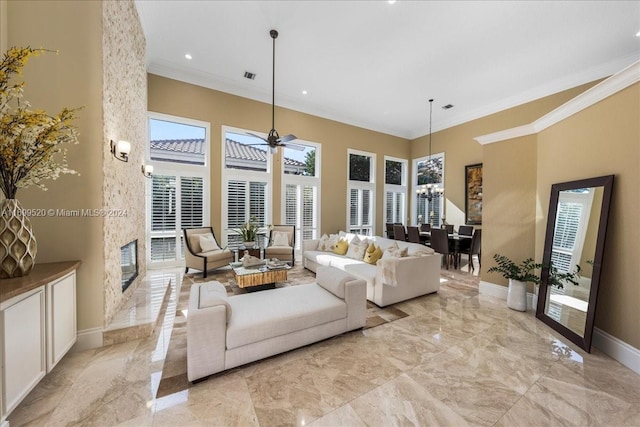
(147, 171)
(121, 150)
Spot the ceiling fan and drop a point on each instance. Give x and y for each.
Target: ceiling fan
(273, 140)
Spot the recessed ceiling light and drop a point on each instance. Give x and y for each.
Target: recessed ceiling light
(304, 92)
(188, 56)
(638, 34)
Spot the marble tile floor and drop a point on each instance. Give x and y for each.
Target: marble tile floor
(458, 359)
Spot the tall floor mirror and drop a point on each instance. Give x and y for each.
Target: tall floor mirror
(576, 232)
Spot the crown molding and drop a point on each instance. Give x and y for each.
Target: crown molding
(597, 93)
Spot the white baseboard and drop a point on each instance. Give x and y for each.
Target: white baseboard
(493, 290)
(89, 338)
(4, 423)
(615, 348)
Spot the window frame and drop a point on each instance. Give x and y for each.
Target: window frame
(415, 185)
(228, 174)
(396, 189)
(361, 186)
(301, 181)
(177, 170)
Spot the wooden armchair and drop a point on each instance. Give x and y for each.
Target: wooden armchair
(203, 251)
(282, 243)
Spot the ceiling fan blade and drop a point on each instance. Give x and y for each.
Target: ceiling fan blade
(257, 136)
(293, 146)
(287, 138)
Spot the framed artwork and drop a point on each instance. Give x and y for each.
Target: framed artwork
(473, 194)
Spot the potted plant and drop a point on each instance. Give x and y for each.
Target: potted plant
(248, 231)
(30, 152)
(518, 275)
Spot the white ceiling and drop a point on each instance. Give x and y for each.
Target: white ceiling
(373, 64)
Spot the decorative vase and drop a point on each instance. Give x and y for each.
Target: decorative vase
(17, 243)
(517, 295)
(248, 245)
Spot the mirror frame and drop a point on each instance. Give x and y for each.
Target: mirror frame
(602, 181)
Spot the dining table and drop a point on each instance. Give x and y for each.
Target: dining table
(454, 238)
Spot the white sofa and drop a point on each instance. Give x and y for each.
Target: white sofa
(415, 275)
(224, 332)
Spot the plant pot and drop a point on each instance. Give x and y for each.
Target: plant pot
(248, 245)
(17, 243)
(517, 295)
(534, 301)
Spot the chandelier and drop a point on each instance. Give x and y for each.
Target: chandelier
(430, 191)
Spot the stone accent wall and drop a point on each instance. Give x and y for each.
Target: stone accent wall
(124, 117)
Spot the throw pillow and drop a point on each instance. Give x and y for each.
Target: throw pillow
(396, 253)
(331, 243)
(280, 238)
(341, 247)
(357, 248)
(208, 243)
(323, 242)
(372, 257)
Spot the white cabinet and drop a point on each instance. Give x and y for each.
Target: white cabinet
(37, 328)
(61, 318)
(23, 346)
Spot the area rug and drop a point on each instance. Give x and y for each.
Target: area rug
(174, 372)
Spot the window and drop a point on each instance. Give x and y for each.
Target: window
(574, 208)
(361, 192)
(246, 183)
(429, 170)
(301, 189)
(395, 189)
(178, 149)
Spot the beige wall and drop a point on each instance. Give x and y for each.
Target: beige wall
(72, 78)
(509, 203)
(601, 140)
(181, 99)
(92, 66)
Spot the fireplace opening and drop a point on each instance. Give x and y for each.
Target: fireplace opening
(129, 263)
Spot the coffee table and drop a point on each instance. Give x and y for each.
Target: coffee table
(256, 279)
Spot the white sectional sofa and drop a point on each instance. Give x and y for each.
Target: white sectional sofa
(414, 275)
(224, 332)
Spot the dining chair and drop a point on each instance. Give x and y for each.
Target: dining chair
(474, 248)
(448, 227)
(389, 228)
(399, 232)
(425, 227)
(465, 230)
(413, 234)
(464, 244)
(440, 244)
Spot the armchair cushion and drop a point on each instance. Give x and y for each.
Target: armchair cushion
(207, 242)
(281, 238)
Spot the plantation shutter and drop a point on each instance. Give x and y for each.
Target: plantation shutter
(192, 199)
(245, 200)
(163, 218)
(309, 221)
(565, 234)
(388, 204)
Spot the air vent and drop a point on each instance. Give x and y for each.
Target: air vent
(446, 107)
(249, 75)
